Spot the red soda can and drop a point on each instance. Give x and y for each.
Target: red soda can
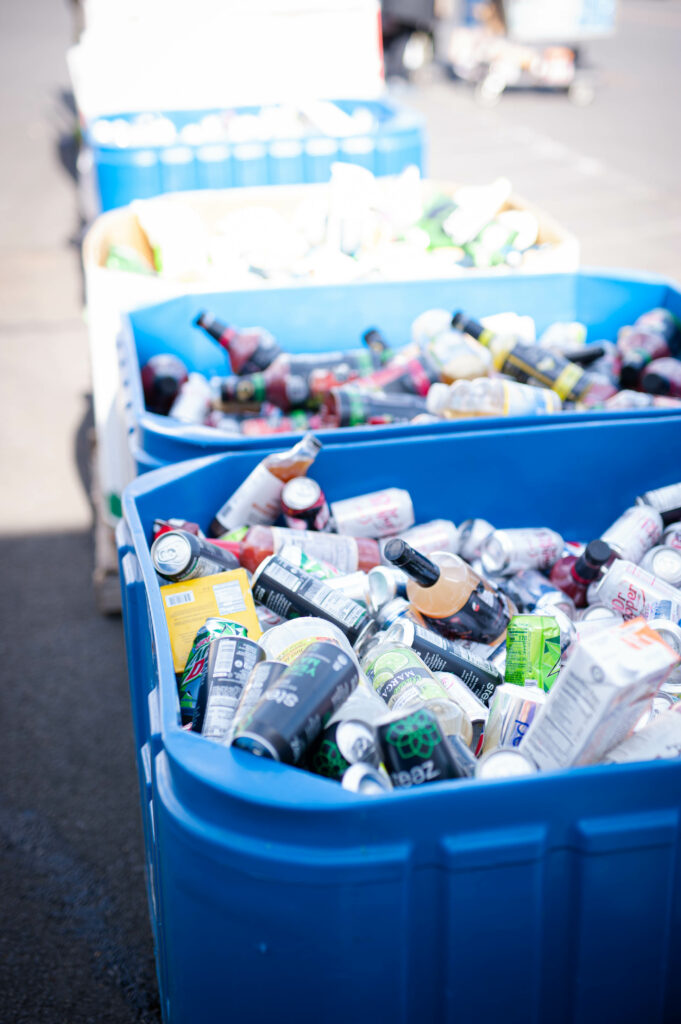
(304, 505)
(167, 525)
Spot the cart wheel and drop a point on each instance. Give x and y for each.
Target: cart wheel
(582, 92)
(488, 91)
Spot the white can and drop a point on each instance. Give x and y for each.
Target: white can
(631, 591)
(379, 514)
(634, 533)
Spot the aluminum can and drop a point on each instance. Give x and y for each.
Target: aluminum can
(442, 655)
(364, 779)
(354, 585)
(472, 535)
(291, 714)
(670, 632)
(316, 567)
(465, 761)
(197, 661)
(505, 763)
(437, 535)
(385, 583)
(664, 563)
(600, 612)
(178, 556)
(415, 750)
(476, 711)
(507, 551)
(290, 592)
(660, 738)
(267, 619)
(532, 592)
(304, 505)
(512, 711)
(665, 500)
(661, 702)
(636, 530)
(231, 660)
(379, 514)
(672, 536)
(533, 650)
(606, 684)
(263, 675)
(342, 744)
(632, 591)
(292, 636)
(397, 609)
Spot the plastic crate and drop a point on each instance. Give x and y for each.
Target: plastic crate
(110, 292)
(323, 318)
(276, 894)
(127, 173)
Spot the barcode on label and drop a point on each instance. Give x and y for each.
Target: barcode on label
(229, 597)
(281, 575)
(225, 656)
(185, 597)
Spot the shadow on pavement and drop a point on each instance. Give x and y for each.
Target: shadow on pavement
(75, 944)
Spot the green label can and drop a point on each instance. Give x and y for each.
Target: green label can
(533, 650)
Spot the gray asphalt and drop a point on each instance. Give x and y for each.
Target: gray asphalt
(75, 943)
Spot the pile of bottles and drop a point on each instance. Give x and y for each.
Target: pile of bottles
(454, 368)
(358, 227)
(385, 654)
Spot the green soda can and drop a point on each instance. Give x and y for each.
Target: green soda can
(197, 662)
(533, 650)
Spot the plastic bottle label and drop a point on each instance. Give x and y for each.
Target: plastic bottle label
(337, 550)
(483, 618)
(257, 500)
(528, 401)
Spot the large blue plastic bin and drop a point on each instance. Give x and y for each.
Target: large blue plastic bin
(331, 317)
(125, 173)
(277, 895)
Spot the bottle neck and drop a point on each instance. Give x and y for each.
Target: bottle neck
(463, 323)
(421, 569)
(222, 333)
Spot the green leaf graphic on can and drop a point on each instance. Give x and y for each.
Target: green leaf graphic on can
(415, 736)
(329, 761)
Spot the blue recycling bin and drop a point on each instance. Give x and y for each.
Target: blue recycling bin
(127, 172)
(322, 318)
(276, 894)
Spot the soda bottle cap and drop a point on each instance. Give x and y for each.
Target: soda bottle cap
(420, 568)
(597, 553)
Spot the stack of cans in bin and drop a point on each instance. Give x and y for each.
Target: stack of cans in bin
(454, 368)
(388, 655)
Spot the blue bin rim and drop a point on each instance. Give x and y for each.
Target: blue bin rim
(212, 437)
(247, 782)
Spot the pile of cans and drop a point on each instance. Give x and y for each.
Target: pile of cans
(454, 368)
(387, 655)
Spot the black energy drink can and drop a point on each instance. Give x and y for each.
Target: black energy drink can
(415, 750)
(264, 675)
(230, 662)
(293, 711)
(193, 677)
(443, 655)
(290, 591)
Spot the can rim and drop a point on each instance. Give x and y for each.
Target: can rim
(178, 561)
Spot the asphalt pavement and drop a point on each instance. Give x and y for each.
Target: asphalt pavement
(75, 942)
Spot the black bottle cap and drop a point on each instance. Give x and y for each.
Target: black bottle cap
(464, 323)
(597, 554)
(210, 323)
(416, 565)
(630, 371)
(375, 340)
(585, 355)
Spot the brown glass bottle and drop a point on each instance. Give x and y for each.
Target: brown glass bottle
(250, 350)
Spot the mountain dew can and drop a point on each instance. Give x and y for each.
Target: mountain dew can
(533, 650)
(197, 662)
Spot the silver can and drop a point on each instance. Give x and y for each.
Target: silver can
(508, 551)
(634, 533)
(665, 563)
(512, 711)
(385, 583)
(505, 763)
(672, 536)
(354, 585)
(666, 500)
(597, 612)
(472, 535)
(365, 779)
(466, 699)
(178, 556)
(670, 632)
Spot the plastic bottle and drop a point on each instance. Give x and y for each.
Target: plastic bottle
(491, 396)
(250, 350)
(345, 553)
(525, 362)
(575, 574)
(458, 357)
(258, 499)
(450, 596)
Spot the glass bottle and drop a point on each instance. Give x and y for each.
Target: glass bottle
(450, 596)
(250, 350)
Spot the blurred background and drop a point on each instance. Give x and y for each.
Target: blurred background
(574, 103)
